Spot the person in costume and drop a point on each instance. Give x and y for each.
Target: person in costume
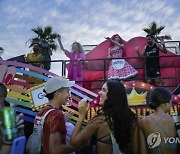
(119, 68)
(75, 65)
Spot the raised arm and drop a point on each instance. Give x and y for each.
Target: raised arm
(115, 42)
(60, 44)
(109, 53)
(80, 137)
(162, 46)
(138, 52)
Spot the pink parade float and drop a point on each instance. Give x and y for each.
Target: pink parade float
(98, 70)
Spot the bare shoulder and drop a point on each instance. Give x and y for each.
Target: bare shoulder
(144, 122)
(98, 119)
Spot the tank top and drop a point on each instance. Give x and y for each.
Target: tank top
(150, 52)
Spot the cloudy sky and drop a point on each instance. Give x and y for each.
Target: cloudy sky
(85, 21)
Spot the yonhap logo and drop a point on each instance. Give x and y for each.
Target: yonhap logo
(153, 140)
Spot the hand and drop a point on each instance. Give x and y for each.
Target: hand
(59, 37)
(161, 38)
(78, 59)
(83, 107)
(109, 56)
(136, 47)
(162, 41)
(107, 38)
(67, 115)
(20, 124)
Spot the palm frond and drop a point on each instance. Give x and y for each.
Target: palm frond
(53, 46)
(166, 37)
(53, 36)
(147, 30)
(38, 30)
(45, 37)
(1, 48)
(47, 30)
(155, 30)
(159, 29)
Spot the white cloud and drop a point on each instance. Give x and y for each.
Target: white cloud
(83, 20)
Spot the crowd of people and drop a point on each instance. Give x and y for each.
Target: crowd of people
(115, 128)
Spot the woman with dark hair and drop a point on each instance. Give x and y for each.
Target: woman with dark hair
(159, 125)
(114, 126)
(119, 68)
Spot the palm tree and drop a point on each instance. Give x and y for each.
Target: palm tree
(154, 30)
(46, 38)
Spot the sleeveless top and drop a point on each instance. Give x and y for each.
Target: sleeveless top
(170, 145)
(150, 52)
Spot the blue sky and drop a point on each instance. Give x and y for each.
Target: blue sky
(85, 21)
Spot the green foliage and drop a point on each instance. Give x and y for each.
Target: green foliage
(45, 37)
(155, 30)
(1, 49)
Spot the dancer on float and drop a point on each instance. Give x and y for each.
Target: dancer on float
(119, 68)
(75, 65)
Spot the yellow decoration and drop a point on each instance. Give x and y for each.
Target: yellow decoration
(136, 99)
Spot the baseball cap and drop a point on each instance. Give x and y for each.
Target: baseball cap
(56, 83)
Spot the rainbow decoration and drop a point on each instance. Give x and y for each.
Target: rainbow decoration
(24, 81)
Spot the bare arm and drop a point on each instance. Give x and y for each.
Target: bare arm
(138, 52)
(55, 145)
(80, 137)
(60, 44)
(109, 53)
(115, 42)
(162, 46)
(142, 136)
(138, 141)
